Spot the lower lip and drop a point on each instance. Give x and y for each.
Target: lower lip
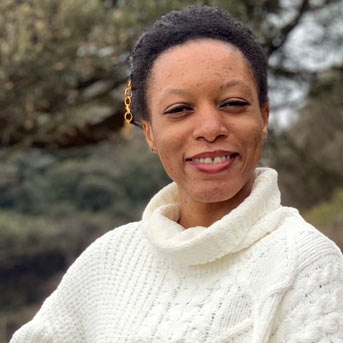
(214, 168)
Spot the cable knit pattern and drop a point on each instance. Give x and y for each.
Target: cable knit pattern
(235, 231)
(260, 274)
(312, 309)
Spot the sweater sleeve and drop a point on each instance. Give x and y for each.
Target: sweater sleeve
(312, 309)
(60, 317)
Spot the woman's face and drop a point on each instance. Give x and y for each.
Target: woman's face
(206, 123)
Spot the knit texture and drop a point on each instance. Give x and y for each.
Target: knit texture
(260, 274)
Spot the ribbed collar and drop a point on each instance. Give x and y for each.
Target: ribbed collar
(256, 216)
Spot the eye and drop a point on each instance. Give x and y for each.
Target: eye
(235, 103)
(178, 109)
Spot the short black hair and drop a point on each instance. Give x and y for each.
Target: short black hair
(178, 27)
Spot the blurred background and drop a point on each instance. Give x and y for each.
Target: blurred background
(68, 173)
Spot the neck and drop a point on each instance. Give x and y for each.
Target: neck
(195, 213)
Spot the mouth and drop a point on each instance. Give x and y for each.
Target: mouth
(213, 162)
(213, 157)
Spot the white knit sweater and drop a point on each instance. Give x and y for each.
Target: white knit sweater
(260, 274)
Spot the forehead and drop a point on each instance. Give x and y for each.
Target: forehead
(200, 61)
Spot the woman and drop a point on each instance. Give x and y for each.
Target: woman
(215, 258)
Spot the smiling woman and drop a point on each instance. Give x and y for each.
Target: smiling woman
(216, 257)
(206, 125)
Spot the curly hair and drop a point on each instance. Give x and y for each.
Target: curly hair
(178, 27)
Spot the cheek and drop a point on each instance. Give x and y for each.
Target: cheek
(169, 142)
(258, 137)
(168, 157)
(252, 135)
(169, 166)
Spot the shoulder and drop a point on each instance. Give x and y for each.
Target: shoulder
(302, 240)
(311, 307)
(294, 246)
(115, 235)
(101, 255)
(111, 243)
(308, 242)
(98, 263)
(62, 314)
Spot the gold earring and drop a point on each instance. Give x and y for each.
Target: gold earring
(128, 116)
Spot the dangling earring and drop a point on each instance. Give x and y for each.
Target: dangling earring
(128, 116)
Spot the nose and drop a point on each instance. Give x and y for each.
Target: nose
(209, 125)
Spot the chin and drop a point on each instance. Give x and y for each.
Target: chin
(220, 193)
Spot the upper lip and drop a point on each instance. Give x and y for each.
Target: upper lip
(211, 154)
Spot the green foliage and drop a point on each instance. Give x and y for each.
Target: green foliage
(94, 193)
(328, 213)
(24, 235)
(63, 63)
(328, 217)
(106, 178)
(49, 50)
(53, 204)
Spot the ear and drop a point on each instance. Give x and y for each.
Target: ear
(265, 117)
(149, 135)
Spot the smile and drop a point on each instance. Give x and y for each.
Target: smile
(212, 162)
(209, 160)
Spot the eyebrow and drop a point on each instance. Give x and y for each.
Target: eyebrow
(228, 84)
(232, 83)
(176, 91)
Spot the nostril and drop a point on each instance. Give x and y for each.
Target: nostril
(211, 139)
(210, 129)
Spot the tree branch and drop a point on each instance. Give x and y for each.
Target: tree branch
(274, 44)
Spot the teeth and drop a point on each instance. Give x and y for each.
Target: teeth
(209, 160)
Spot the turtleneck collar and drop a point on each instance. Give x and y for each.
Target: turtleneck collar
(256, 216)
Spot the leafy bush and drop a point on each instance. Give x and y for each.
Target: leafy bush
(328, 217)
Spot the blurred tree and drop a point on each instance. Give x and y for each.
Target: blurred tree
(308, 154)
(53, 56)
(54, 204)
(63, 64)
